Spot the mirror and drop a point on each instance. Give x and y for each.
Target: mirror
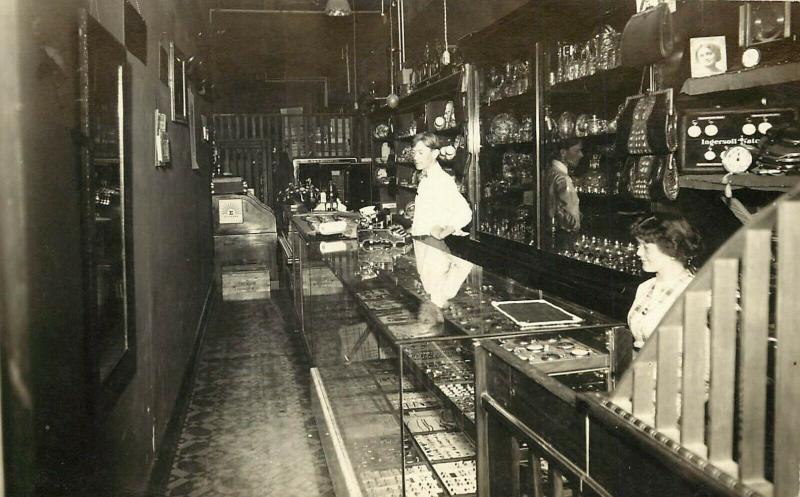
(177, 83)
(106, 212)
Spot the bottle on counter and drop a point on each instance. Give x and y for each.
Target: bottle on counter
(331, 196)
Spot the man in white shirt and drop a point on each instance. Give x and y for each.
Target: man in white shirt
(439, 210)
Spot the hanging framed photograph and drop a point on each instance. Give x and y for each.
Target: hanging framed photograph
(177, 83)
(192, 129)
(764, 22)
(163, 64)
(708, 56)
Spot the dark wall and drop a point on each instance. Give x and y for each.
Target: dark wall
(250, 47)
(424, 22)
(44, 403)
(51, 437)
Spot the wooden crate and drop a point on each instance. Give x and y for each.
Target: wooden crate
(245, 283)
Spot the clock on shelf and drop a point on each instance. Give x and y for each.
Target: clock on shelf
(737, 159)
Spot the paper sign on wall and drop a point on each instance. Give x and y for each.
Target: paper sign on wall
(230, 211)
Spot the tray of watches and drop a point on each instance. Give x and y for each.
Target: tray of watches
(459, 477)
(443, 446)
(555, 353)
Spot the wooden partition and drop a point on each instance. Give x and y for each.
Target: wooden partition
(249, 144)
(719, 378)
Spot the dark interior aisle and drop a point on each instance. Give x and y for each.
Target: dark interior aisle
(249, 429)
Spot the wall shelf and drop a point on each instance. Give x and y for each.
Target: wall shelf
(445, 86)
(750, 78)
(510, 103)
(749, 181)
(609, 81)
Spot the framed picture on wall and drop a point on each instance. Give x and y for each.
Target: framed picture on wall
(177, 83)
(763, 22)
(192, 129)
(709, 56)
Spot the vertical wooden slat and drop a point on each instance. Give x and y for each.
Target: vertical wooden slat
(481, 420)
(262, 128)
(514, 457)
(694, 363)
(753, 356)
(266, 167)
(643, 389)
(667, 379)
(336, 138)
(787, 371)
(304, 120)
(245, 131)
(537, 483)
(556, 483)
(349, 139)
(229, 126)
(723, 363)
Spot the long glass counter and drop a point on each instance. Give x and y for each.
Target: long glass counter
(401, 420)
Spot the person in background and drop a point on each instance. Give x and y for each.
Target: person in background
(563, 205)
(282, 172)
(667, 246)
(439, 211)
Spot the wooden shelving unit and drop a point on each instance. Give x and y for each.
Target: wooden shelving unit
(740, 80)
(749, 181)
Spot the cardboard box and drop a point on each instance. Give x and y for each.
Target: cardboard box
(245, 283)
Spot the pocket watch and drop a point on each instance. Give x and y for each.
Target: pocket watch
(737, 159)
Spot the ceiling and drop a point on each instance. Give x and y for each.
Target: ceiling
(255, 41)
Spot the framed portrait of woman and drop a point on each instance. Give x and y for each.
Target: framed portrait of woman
(708, 56)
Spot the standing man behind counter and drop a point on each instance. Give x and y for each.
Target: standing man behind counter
(563, 205)
(439, 211)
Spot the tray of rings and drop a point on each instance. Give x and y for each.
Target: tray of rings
(555, 353)
(420, 482)
(390, 382)
(459, 477)
(443, 446)
(415, 400)
(462, 395)
(381, 452)
(427, 421)
(457, 390)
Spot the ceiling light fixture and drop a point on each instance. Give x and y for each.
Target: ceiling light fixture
(338, 8)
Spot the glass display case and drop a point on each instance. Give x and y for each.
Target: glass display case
(556, 84)
(327, 315)
(584, 91)
(419, 399)
(508, 180)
